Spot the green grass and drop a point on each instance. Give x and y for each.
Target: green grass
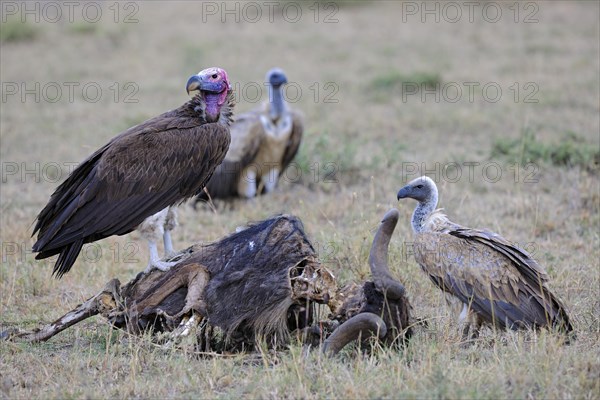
(83, 28)
(394, 80)
(572, 150)
(322, 163)
(13, 30)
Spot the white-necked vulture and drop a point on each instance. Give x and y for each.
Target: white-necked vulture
(495, 281)
(139, 173)
(263, 143)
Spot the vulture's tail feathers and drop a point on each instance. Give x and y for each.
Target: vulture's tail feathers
(562, 322)
(66, 259)
(49, 224)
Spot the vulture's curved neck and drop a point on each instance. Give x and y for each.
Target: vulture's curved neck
(197, 106)
(226, 116)
(423, 210)
(278, 105)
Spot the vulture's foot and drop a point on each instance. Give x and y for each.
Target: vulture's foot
(168, 242)
(160, 265)
(170, 255)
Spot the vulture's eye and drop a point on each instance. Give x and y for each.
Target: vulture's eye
(214, 76)
(419, 186)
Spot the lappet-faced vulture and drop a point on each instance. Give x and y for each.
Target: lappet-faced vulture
(496, 282)
(263, 143)
(139, 173)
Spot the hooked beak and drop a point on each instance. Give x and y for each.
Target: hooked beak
(204, 84)
(276, 77)
(279, 80)
(403, 193)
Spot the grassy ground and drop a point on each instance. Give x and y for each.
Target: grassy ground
(376, 134)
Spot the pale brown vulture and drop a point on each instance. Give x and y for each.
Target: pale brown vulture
(139, 173)
(495, 281)
(263, 143)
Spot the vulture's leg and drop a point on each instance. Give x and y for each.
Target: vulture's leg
(471, 323)
(153, 229)
(168, 243)
(464, 322)
(170, 224)
(155, 261)
(270, 180)
(476, 325)
(247, 183)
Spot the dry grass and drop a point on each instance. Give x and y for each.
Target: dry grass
(372, 136)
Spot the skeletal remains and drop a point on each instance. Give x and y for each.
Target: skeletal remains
(260, 283)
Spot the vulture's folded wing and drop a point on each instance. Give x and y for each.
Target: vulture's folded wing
(145, 169)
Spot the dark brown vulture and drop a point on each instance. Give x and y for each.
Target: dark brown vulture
(263, 143)
(495, 281)
(139, 173)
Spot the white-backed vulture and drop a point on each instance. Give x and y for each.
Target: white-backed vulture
(263, 143)
(139, 173)
(495, 281)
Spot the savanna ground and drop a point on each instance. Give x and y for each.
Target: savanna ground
(351, 67)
